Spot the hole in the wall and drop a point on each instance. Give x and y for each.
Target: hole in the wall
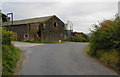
(26, 35)
(39, 32)
(55, 24)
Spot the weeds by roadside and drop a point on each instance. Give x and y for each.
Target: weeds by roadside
(108, 57)
(37, 42)
(10, 56)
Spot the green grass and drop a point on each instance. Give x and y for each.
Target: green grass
(37, 42)
(109, 57)
(0, 61)
(10, 56)
(87, 50)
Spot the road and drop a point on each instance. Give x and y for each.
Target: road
(59, 59)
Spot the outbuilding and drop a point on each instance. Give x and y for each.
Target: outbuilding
(44, 29)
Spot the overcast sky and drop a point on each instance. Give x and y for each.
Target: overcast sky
(81, 14)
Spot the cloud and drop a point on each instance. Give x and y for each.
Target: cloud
(82, 14)
(60, 0)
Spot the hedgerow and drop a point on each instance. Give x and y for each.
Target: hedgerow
(106, 36)
(10, 54)
(82, 38)
(105, 43)
(7, 36)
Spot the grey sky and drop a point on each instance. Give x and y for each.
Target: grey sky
(59, 0)
(82, 14)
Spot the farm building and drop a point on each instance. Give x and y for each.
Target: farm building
(44, 29)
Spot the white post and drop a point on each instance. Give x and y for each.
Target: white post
(60, 41)
(119, 8)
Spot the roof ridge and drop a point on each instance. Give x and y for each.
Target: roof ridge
(38, 19)
(35, 18)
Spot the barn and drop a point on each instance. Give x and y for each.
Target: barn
(44, 29)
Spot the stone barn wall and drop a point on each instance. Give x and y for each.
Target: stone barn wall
(53, 30)
(50, 30)
(21, 31)
(35, 32)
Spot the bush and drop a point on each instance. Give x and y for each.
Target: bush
(105, 43)
(106, 36)
(7, 36)
(10, 54)
(81, 38)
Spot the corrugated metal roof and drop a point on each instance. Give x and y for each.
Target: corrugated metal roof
(32, 20)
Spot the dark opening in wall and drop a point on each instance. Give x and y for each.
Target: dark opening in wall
(39, 32)
(55, 24)
(26, 35)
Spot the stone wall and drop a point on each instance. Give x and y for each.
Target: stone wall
(21, 31)
(53, 30)
(47, 31)
(34, 34)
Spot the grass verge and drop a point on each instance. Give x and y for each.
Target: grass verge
(38, 42)
(10, 56)
(109, 58)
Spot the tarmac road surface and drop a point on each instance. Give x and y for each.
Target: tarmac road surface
(59, 59)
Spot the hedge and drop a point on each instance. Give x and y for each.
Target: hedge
(106, 36)
(7, 36)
